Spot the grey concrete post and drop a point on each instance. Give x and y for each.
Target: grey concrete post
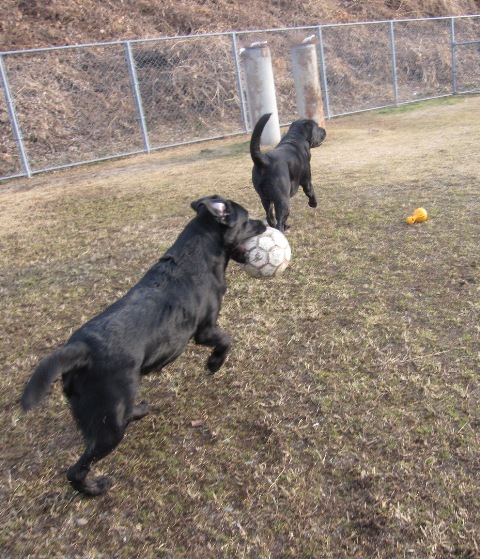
(307, 82)
(260, 88)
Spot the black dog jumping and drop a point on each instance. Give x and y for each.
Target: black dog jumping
(278, 173)
(178, 299)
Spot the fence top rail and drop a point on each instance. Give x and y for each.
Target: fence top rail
(229, 33)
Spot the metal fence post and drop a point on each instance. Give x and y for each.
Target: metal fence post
(394, 63)
(323, 73)
(243, 112)
(454, 56)
(132, 71)
(13, 119)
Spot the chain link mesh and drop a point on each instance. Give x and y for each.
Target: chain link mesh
(467, 56)
(86, 103)
(424, 59)
(73, 104)
(188, 88)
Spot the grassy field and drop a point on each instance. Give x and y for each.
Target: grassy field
(346, 421)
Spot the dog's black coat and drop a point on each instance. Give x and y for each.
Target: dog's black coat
(178, 299)
(278, 173)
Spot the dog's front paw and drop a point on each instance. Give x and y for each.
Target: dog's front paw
(212, 366)
(139, 411)
(215, 362)
(312, 202)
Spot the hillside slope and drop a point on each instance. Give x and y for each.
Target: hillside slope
(43, 23)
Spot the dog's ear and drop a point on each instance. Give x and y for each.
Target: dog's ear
(309, 126)
(217, 206)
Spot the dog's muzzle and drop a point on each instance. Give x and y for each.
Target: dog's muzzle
(319, 137)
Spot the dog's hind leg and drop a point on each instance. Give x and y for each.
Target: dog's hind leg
(221, 342)
(282, 211)
(103, 437)
(77, 474)
(270, 215)
(269, 210)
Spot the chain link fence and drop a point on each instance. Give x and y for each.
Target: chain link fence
(70, 105)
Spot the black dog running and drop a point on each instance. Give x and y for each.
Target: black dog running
(278, 173)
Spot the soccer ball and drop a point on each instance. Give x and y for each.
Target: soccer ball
(267, 255)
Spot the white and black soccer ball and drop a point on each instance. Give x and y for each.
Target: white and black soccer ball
(267, 255)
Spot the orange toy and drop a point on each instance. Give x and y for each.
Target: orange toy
(419, 215)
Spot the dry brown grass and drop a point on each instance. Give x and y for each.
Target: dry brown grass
(35, 24)
(346, 420)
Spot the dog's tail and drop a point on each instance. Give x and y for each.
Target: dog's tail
(257, 156)
(70, 357)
